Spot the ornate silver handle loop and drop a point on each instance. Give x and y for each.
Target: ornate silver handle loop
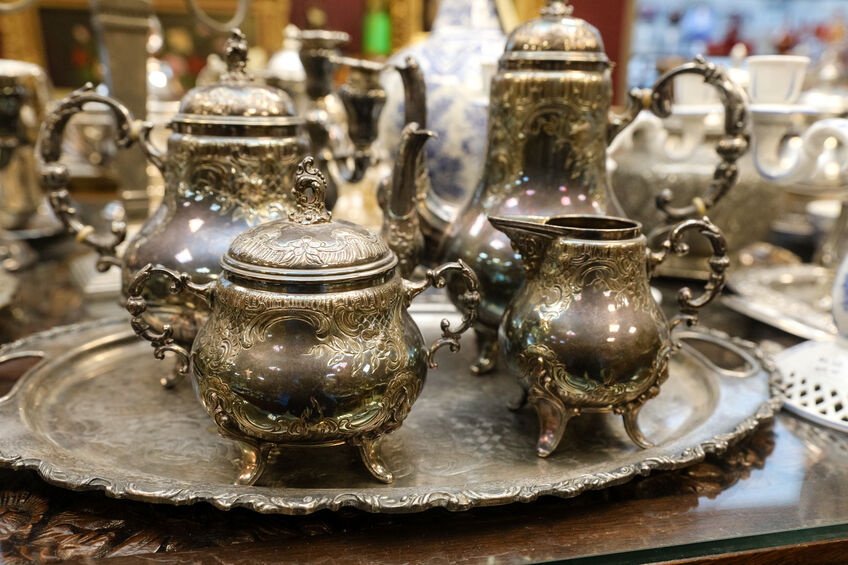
(719, 261)
(162, 341)
(730, 148)
(220, 27)
(56, 178)
(469, 301)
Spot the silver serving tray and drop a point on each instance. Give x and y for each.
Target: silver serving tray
(91, 416)
(792, 298)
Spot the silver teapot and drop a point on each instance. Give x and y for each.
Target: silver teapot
(653, 154)
(549, 128)
(584, 334)
(231, 157)
(309, 341)
(24, 95)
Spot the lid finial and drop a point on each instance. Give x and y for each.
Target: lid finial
(236, 54)
(309, 188)
(557, 9)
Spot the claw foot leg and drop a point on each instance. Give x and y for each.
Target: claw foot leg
(631, 426)
(370, 454)
(487, 350)
(253, 460)
(553, 418)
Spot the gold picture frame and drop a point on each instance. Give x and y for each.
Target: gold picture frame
(23, 39)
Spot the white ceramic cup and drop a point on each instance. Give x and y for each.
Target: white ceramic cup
(776, 79)
(691, 90)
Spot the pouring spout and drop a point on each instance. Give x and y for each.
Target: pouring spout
(529, 238)
(415, 92)
(401, 227)
(404, 192)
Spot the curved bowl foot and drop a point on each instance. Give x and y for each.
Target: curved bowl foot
(487, 351)
(631, 426)
(553, 418)
(253, 461)
(370, 455)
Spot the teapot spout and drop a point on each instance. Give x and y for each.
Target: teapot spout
(529, 238)
(401, 227)
(415, 92)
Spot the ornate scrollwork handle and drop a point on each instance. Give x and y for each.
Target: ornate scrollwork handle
(469, 302)
(162, 341)
(719, 261)
(55, 176)
(730, 147)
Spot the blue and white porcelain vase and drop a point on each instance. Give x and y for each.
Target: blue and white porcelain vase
(467, 38)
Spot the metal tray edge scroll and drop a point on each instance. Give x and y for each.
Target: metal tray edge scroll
(453, 499)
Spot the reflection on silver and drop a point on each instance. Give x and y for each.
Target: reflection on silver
(232, 152)
(584, 334)
(324, 296)
(460, 448)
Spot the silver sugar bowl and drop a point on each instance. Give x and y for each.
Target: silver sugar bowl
(309, 341)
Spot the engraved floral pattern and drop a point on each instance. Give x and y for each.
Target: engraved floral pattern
(249, 180)
(265, 246)
(364, 330)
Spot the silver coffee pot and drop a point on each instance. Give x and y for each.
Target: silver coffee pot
(550, 124)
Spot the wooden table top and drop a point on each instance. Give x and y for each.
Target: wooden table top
(781, 494)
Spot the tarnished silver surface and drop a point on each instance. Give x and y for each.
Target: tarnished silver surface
(309, 341)
(459, 448)
(645, 168)
(792, 298)
(583, 334)
(361, 176)
(550, 124)
(232, 152)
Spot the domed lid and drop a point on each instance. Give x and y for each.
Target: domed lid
(309, 247)
(556, 35)
(236, 98)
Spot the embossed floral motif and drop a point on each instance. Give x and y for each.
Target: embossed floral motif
(248, 181)
(355, 330)
(343, 247)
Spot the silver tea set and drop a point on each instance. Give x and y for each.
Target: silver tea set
(292, 321)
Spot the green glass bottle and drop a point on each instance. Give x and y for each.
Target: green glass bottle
(377, 29)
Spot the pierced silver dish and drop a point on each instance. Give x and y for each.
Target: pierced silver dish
(459, 449)
(792, 298)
